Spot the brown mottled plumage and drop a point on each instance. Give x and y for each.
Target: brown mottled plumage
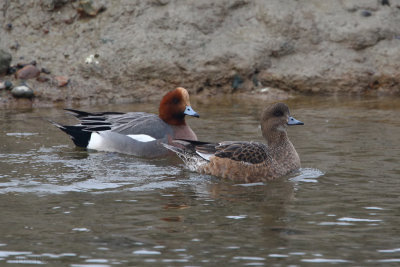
(247, 161)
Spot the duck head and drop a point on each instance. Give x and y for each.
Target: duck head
(175, 105)
(275, 119)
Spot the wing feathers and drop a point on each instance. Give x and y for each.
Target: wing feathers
(250, 152)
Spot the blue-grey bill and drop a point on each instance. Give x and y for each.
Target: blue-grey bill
(293, 121)
(190, 112)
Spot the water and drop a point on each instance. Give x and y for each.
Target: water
(63, 206)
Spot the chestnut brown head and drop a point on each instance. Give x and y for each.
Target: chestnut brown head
(174, 106)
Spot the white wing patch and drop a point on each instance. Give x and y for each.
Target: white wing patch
(141, 137)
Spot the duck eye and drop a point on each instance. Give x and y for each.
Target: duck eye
(175, 100)
(278, 113)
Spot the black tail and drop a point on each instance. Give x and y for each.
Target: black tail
(78, 113)
(79, 136)
(90, 122)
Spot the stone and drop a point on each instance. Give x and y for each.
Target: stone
(46, 71)
(53, 4)
(27, 72)
(237, 82)
(42, 79)
(11, 70)
(5, 60)
(22, 91)
(366, 13)
(61, 80)
(90, 8)
(6, 85)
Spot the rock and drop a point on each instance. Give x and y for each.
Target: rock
(5, 60)
(366, 13)
(61, 80)
(42, 79)
(46, 71)
(27, 72)
(237, 82)
(22, 91)
(160, 2)
(89, 8)
(11, 70)
(6, 85)
(53, 4)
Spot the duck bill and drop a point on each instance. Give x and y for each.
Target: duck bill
(190, 112)
(293, 121)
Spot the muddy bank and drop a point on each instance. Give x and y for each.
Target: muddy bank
(123, 51)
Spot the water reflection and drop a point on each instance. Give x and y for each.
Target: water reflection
(65, 206)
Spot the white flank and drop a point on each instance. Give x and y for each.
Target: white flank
(96, 141)
(142, 137)
(204, 155)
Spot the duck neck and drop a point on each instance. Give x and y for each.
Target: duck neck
(277, 138)
(173, 119)
(183, 132)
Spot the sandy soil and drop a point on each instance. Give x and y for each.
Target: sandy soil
(123, 50)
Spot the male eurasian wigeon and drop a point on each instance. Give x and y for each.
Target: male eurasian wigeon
(136, 133)
(243, 161)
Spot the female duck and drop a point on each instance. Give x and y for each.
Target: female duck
(136, 133)
(243, 161)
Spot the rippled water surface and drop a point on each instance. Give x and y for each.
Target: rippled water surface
(67, 207)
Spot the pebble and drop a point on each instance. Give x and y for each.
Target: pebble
(61, 80)
(22, 91)
(5, 60)
(6, 85)
(237, 81)
(46, 71)
(11, 70)
(9, 85)
(42, 79)
(366, 13)
(54, 4)
(89, 8)
(27, 72)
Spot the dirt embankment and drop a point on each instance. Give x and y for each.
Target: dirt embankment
(121, 51)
